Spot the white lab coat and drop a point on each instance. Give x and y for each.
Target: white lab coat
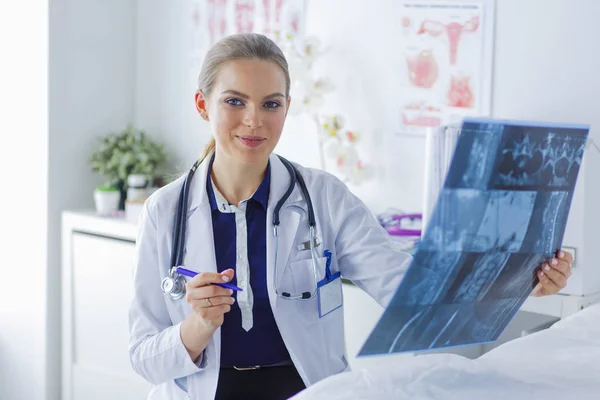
(361, 250)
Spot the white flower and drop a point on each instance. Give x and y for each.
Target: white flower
(310, 48)
(304, 101)
(346, 159)
(322, 86)
(307, 93)
(331, 148)
(332, 125)
(286, 44)
(352, 136)
(298, 68)
(361, 173)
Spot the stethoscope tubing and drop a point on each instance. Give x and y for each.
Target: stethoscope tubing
(175, 287)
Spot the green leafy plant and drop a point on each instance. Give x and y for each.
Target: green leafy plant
(130, 151)
(107, 188)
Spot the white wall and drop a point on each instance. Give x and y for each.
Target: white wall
(165, 83)
(23, 162)
(91, 87)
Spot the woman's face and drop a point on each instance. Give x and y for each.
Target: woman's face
(246, 109)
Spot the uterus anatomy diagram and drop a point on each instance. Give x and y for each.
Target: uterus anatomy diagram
(421, 115)
(439, 82)
(246, 13)
(422, 69)
(460, 93)
(217, 21)
(453, 31)
(272, 17)
(244, 16)
(218, 24)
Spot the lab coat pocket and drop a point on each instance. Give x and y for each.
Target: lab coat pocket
(305, 281)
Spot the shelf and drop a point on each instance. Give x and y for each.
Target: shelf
(90, 222)
(559, 305)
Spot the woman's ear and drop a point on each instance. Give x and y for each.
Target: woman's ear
(201, 105)
(289, 100)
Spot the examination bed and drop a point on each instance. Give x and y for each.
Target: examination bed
(562, 362)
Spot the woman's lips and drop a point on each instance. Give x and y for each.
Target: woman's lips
(251, 141)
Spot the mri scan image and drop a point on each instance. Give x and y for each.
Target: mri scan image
(501, 214)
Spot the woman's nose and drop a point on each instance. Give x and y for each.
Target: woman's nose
(252, 118)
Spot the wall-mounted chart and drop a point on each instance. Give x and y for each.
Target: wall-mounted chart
(212, 20)
(448, 49)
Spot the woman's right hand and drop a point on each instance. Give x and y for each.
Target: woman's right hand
(210, 302)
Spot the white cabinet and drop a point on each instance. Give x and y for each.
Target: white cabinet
(361, 314)
(97, 288)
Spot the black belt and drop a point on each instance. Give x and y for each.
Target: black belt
(269, 382)
(255, 367)
(245, 368)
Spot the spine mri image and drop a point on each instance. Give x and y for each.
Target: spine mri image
(501, 213)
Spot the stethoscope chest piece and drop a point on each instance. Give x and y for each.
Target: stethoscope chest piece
(173, 286)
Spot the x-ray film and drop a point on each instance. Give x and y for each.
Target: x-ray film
(501, 213)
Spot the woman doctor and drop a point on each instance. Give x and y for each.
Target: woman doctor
(262, 342)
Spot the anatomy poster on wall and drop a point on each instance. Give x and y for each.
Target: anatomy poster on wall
(211, 20)
(446, 74)
(501, 213)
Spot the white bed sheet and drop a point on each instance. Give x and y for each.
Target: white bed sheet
(562, 362)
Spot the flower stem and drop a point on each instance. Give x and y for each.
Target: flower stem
(320, 138)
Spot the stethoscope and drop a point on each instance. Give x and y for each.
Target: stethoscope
(174, 284)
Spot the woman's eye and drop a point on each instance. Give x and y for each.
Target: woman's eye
(234, 102)
(272, 104)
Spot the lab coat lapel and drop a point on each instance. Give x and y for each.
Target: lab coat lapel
(280, 181)
(199, 251)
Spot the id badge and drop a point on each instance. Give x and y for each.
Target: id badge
(330, 294)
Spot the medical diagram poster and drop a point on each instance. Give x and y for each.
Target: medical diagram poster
(211, 20)
(447, 69)
(501, 213)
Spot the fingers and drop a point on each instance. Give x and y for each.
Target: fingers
(209, 302)
(561, 266)
(538, 291)
(555, 276)
(211, 307)
(228, 273)
(203, 292)
(208, 313)
(565, 256)
(206, 278)
(551, 280)
(217, 301)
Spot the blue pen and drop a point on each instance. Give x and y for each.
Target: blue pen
(192, 274)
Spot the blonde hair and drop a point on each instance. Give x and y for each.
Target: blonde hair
(237, 47)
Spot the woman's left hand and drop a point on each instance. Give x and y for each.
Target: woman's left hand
(554, 274)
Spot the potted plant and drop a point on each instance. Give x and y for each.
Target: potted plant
(107, 199)
(129, 152)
